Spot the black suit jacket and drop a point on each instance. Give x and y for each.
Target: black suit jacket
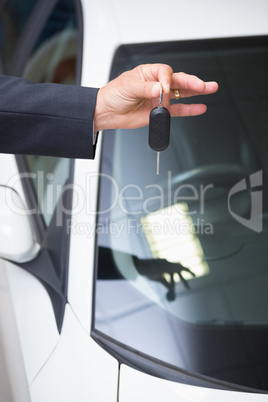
(46, 119)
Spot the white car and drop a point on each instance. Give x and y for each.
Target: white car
(118, 284)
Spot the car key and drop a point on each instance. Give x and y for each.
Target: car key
(159, 129)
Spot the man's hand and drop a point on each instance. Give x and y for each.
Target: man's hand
(127, 101)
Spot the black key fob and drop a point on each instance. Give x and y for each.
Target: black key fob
(159, 129)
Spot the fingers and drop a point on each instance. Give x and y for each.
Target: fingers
(211, 87)
(190, 85)
(187, 82)
(182, 110)
(155, 75)
(148, 78)
(165, 77)
(152, 76)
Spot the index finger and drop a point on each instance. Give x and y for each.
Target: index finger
(158, 72)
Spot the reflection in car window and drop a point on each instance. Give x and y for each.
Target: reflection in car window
(49, 176)
(14, 14)
(51, 57)
(181, 261)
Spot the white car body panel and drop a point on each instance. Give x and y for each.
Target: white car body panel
(9, 176)
(13, 379)
(16, 232)
(78, 370)
(70, 366)
(82, 245)
(33, 312)
(136, 386)
(176, 20)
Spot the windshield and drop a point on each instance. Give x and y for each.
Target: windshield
(181, 259)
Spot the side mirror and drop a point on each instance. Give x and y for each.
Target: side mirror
(17, 241)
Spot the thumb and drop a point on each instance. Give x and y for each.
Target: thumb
(155, 90)
(147, 90)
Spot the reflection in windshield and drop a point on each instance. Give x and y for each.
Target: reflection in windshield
(175, 240)
(181, 265)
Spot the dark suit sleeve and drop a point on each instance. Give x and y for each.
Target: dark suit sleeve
(46, 119)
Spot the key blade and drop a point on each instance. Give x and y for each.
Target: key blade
(157, 162)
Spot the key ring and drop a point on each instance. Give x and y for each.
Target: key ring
(160, 97)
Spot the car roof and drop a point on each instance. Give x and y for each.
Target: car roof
(108, 24)
(151, 20)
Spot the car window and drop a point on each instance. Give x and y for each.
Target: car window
(39, 41)
(181, 257)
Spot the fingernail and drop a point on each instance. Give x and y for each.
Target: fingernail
(166, 88)
(156, 90)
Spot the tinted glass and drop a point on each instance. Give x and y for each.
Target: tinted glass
(181, 259)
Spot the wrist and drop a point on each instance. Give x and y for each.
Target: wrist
(102, 117)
